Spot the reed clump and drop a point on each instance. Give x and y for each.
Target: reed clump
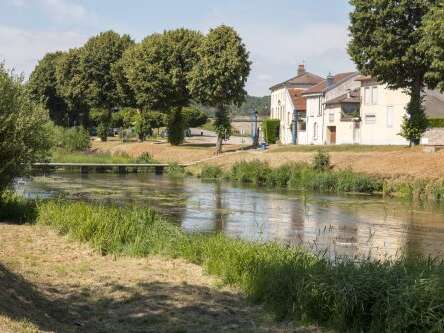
(404, 295)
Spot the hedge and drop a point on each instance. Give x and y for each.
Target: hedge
(436, 123)
(270, 128)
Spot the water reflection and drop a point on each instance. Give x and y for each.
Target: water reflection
(340, 226)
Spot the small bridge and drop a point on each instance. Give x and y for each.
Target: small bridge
(103, 167)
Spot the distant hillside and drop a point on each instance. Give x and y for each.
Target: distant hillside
(260, 104)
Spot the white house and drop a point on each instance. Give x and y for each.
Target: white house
(286, 97)
(346, 108)
(326, 103)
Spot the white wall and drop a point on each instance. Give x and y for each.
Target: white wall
(381, 120)
(282, 108)
(347, 132)
(315, 119)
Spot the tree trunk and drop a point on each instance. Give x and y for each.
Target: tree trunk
(219, 144)
(223, 127)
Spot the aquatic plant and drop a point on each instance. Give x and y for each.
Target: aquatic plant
(301, 176)
(211, 172)
(174, 170)
(255, 172)
(404, 295)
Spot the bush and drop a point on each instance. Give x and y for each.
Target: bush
(270, 129)
(211, 172)
(436, 123)
(321, 161)
(102, 131)
(24, 136)
(75, 139)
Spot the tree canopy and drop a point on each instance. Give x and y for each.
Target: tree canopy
(385, 43)
(43, 87)
(432, 45)
(24, 138)
(218, 79)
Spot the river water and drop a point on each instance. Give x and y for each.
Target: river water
(354, 226)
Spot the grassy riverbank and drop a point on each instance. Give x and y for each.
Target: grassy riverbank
(304, 177)
(63, 156)
(403, 295)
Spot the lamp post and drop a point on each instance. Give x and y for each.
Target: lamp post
(254, 131)
(294, 127)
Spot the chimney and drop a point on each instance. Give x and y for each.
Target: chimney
(330, 80)
(301, 69)
(349, 93)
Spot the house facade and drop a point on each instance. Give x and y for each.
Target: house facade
(287, 101)
(324, 118)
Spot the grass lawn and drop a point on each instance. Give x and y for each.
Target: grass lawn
(332, 148)
(62, 156)
(53, 284)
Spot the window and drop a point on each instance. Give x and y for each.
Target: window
(374, 95)
(331, 117)
(367, 96)
(315, 131)
(389, 116)
(370, 119)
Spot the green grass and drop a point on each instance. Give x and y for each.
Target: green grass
(303, 177)
(63, 156)
(406, 295)
(333, 148)
(14, 208)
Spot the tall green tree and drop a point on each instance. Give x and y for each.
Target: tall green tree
(385, 38)
(157, 71)
(24, 137)
(71, 87)
(432, 45)
(43, 88)
(96, 60)
(218, 79)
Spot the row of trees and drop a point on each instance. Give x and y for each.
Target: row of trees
(158, 77)
(400, 43)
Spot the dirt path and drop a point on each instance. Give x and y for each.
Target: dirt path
(51, 284)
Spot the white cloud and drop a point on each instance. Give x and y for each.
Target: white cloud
(63, 11)
(21, 49)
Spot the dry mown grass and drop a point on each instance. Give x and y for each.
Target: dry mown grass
(50, 284)
(386, 161)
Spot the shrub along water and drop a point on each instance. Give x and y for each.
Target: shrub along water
(406, 295)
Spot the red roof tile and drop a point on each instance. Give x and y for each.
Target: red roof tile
(299, 102)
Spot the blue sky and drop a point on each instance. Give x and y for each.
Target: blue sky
(279, 34)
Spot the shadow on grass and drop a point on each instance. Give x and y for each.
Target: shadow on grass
(145, 307)
(16, 209)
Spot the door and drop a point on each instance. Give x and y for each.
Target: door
(332, 131)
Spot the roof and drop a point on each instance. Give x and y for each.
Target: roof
(337, 79)
(303, 80)
(299, 102)
(434, 104)
(353, 98)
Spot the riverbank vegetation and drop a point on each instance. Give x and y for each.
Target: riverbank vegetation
(404, 295)
(319, 177)
(63, 156)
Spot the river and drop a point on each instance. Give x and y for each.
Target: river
(354, 226)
